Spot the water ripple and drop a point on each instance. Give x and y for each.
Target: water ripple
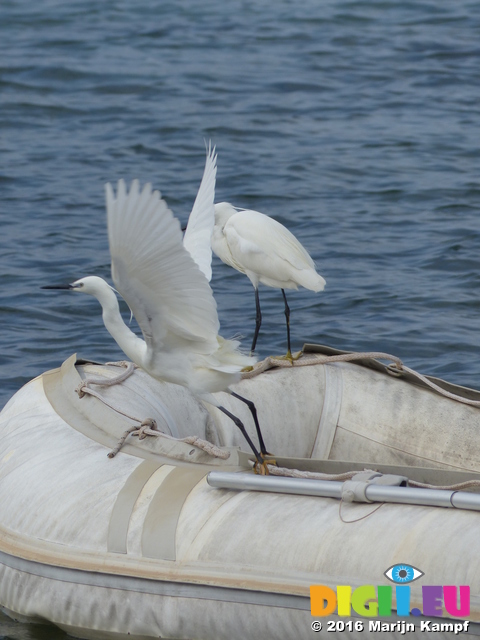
(352, 123)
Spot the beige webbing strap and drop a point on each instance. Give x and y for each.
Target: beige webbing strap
(124, 504)
(160, 525)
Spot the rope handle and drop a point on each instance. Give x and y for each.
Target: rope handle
(347, 475)
(396, 369)
(149, 428)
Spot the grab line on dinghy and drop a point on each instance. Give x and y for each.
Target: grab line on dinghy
(148, 426)
(84, 388)
(89, 419)
(312, 355)
(288, 472)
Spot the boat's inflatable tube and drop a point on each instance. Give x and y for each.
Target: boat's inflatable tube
(343, 411)
(141, 546)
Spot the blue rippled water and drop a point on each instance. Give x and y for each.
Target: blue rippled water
(355, 123)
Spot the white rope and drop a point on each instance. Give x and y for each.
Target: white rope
(108, 382)
(120, 443)
(83, 390)
(443, 392)
(309, 359)
(468, 484)
(347, 475)
(395, 369)
(149, 428)
(273, 470)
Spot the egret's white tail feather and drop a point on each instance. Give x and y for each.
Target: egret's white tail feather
(230, 357)
(311, 280)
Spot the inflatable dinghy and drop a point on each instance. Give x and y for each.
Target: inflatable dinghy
(132, 510)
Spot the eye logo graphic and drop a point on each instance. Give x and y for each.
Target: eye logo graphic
(403, 573)
(369, 601)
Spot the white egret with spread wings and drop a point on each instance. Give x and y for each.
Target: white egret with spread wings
(169, 296)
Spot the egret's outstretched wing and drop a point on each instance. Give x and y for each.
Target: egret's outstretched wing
(202, 218)
(167, 293)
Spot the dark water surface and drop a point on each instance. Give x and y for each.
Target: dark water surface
(356, 124)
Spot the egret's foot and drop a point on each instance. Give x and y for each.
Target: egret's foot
(289, 356)
(262, 469)
(246, 369)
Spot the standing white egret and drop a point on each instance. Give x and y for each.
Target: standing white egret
(170, 299)
(266, 252)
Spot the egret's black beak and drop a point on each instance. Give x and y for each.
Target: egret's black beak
(58, 286)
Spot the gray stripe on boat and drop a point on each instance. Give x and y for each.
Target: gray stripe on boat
(156, 587)
(160, 525)
(124, 504)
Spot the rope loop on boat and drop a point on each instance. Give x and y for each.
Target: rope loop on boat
(129, 367)
(396, 368)
(309, 359)
(148, 426)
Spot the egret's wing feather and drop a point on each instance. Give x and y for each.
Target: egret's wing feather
(168, 295)
(202, 218)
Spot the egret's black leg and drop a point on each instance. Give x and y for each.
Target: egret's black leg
(239, 424)
(287, 316)
(258, 320)
(253, 411)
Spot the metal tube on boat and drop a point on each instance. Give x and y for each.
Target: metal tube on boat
(465, 500)
(410, 495)
(333, 489)
(274, 484)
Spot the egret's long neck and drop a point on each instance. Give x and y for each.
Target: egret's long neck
(223, 212)
(134, 347)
